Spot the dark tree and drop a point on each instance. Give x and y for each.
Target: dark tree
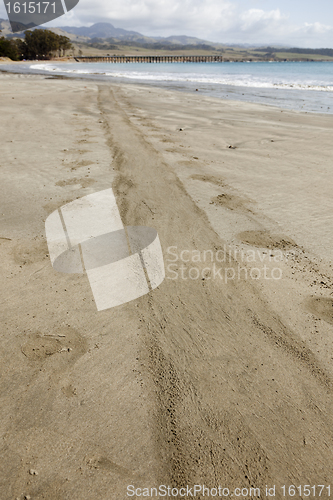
(64, 44)
(43, 44)
(8, 48)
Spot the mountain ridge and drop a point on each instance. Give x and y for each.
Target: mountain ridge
(107, 32)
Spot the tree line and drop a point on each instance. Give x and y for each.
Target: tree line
(297, 50)
(37, 44)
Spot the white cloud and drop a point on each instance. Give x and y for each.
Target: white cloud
(315, 35)
(317, 28)
(260, 21)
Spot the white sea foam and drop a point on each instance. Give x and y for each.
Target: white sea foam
(238, 80)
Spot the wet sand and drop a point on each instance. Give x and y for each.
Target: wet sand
(206, 380)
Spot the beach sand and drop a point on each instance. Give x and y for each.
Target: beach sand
(215, 381)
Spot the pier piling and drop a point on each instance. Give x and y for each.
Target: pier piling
(150, 59)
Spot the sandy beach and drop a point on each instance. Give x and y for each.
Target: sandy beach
(222, 376)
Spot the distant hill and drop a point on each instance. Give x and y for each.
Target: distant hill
(109, 32)
(7, 32)
(297, 50)
(102, 30)
(106, 31)
(184, 40)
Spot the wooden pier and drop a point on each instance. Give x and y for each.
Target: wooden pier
(150, 59)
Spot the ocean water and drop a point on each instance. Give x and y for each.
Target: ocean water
(302, 86)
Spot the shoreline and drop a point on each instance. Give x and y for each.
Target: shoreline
(202, 381)
(302, 100)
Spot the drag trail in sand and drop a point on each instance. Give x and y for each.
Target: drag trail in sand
(201, 381)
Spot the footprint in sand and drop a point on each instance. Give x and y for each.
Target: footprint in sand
(105, 464)
(85, 182)
(263, 239)
(229, 201)
(29, 252)
(39, 347)
(321, 307)
(208, 178)
(64, 341)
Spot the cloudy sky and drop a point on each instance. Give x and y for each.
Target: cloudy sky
(302, 23)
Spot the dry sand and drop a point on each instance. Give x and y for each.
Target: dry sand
(201, 381)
